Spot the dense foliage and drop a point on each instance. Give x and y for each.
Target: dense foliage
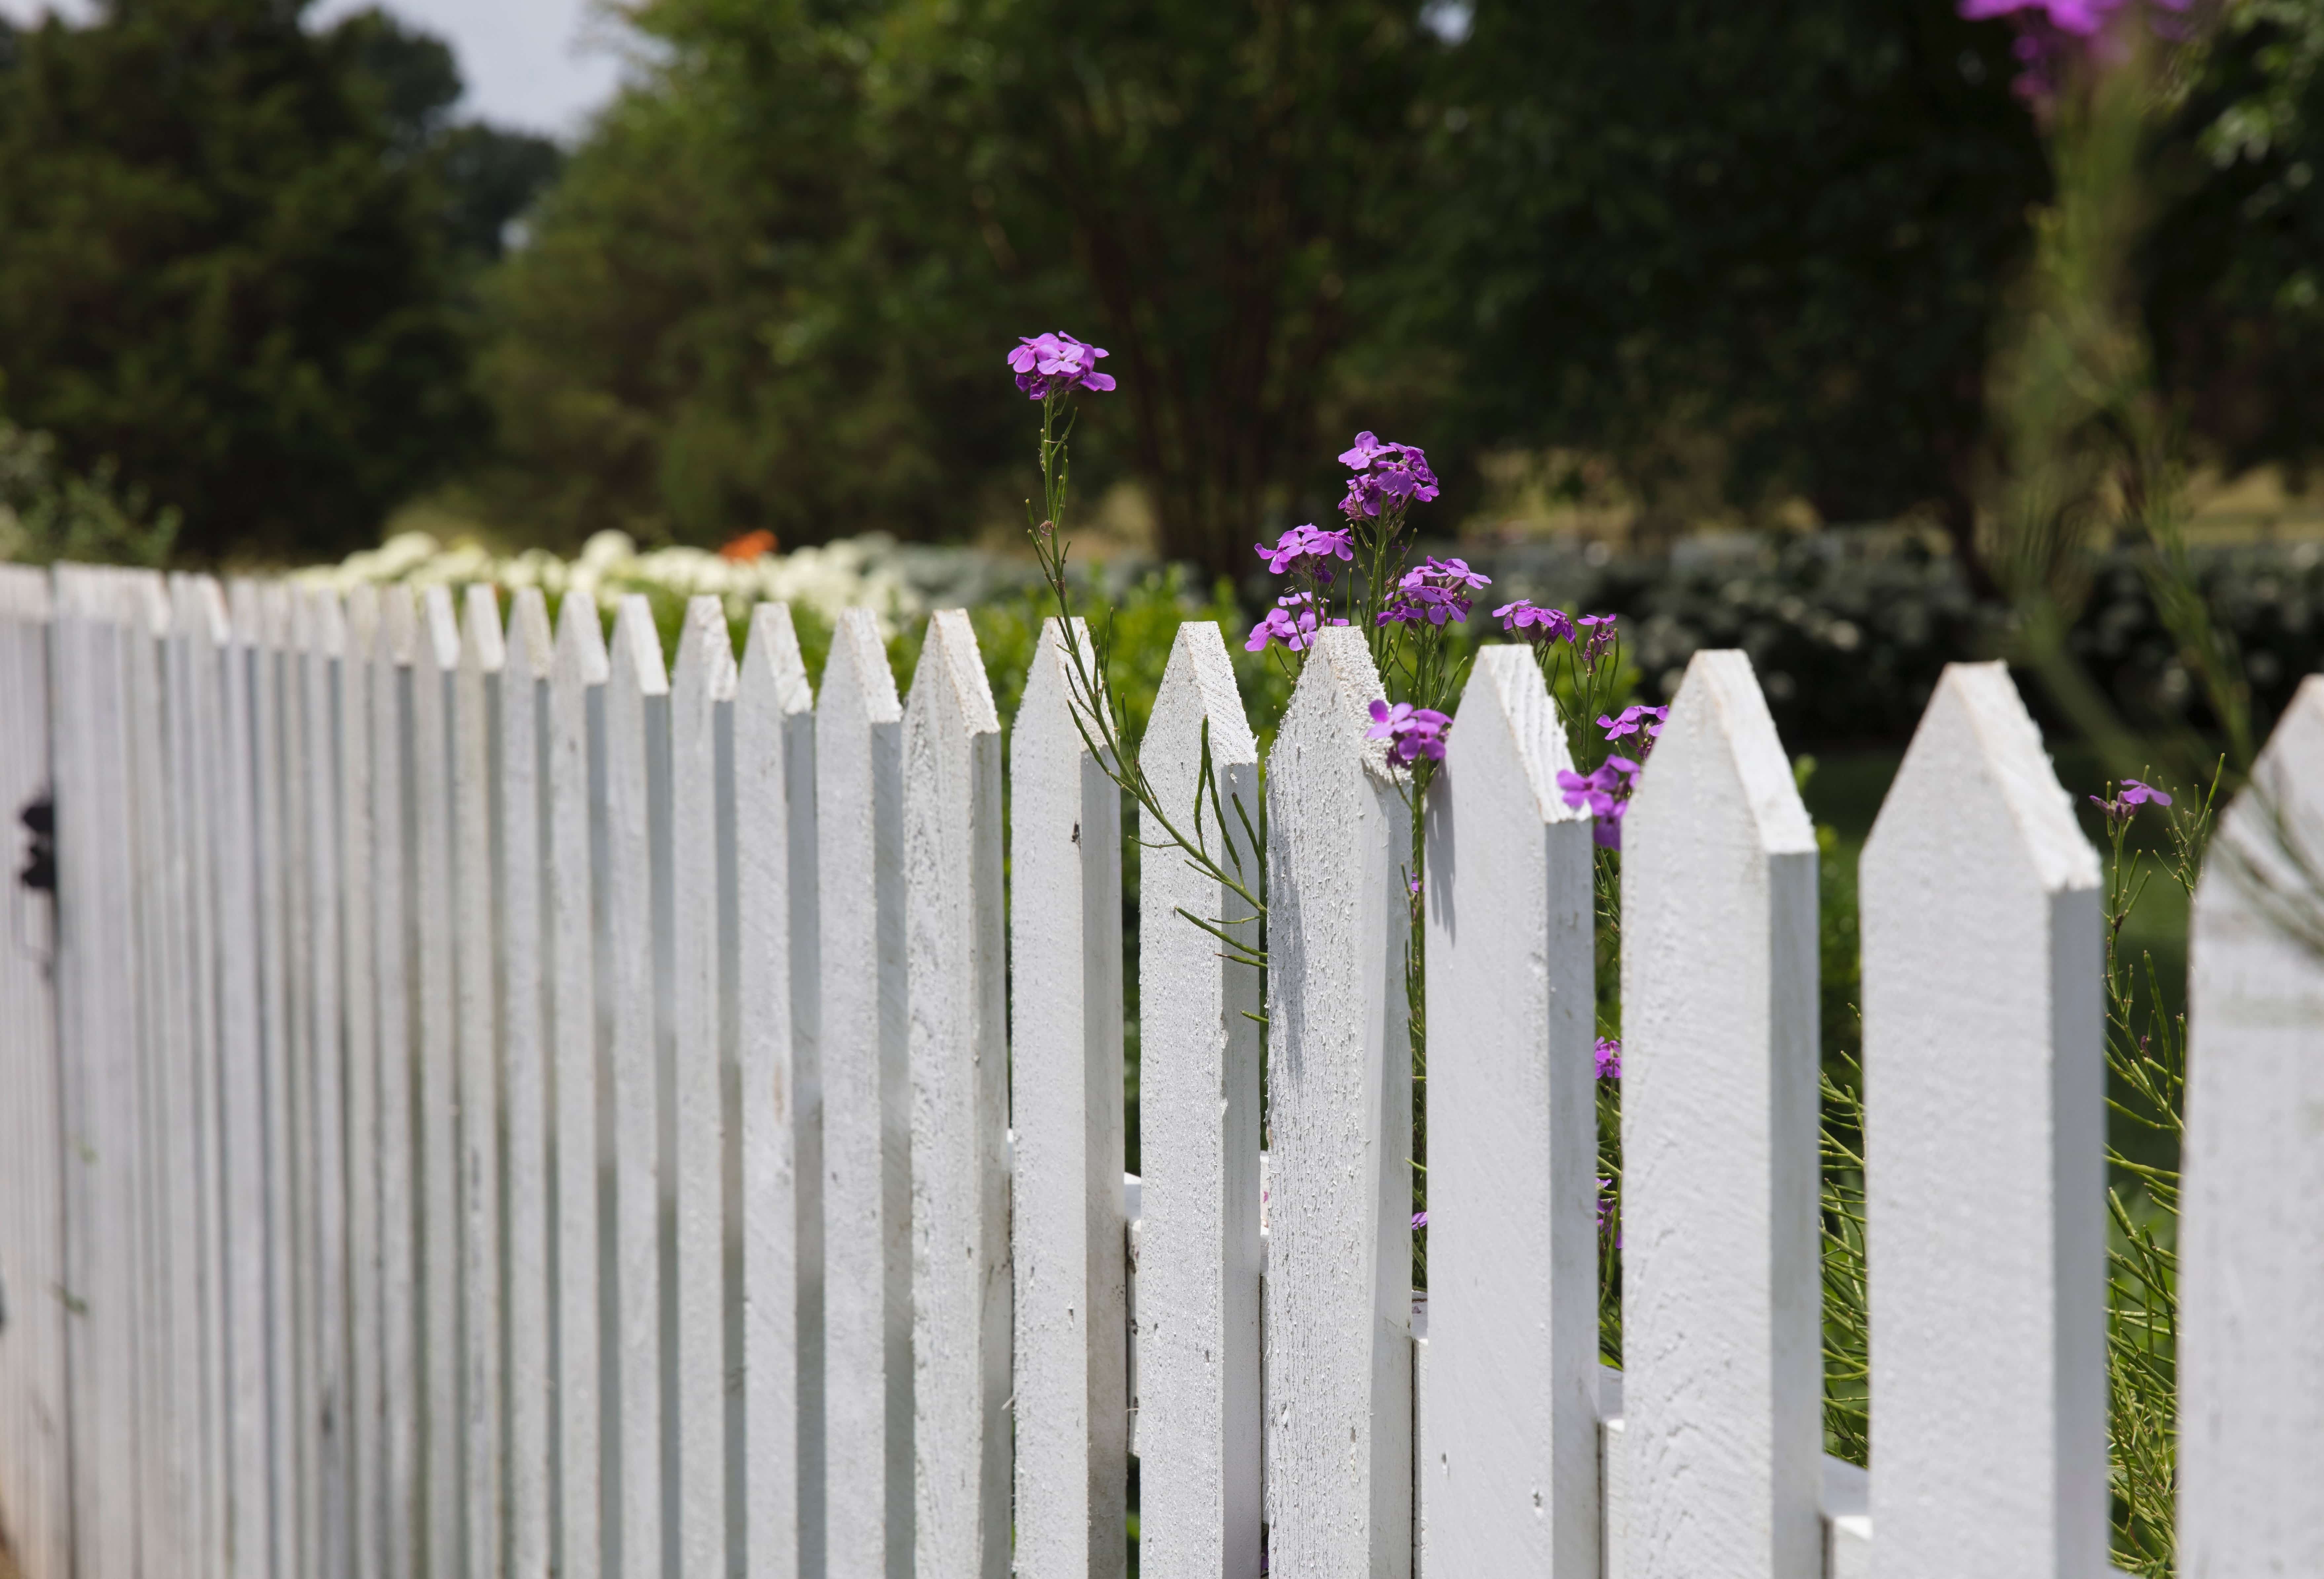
(234, 261)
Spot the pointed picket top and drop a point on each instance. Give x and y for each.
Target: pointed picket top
(581, 654)
(531, 644)
(635, 651)
(1197, 1388)
(1068, 1235)
(1510, 1485)
(277, 615)
(398, 634)
(145, 601)
(771, 665)
(955, 963)
(705, 653)
(856, 677)
(437, 638)
(364, 611)
(1722, 1378)
(482, 647)
(1339, 1314)
(327, 623)
(1984, 1152)
(2251, 1227)
(300, 618)
(242, 607)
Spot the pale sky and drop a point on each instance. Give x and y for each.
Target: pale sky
(539, 65)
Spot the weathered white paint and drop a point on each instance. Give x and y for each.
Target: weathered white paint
(777, 1118)
(1720, 1283)
(368, 1509)
(1984, 1150)
(323, 1120)
(637, 736)
(1338, 1283)
(522, 812)
(2251, 1353)
(956, 972)
(1510, 1484)
(578, 857)
(1197, 1391)
(483, 661)
(35, 1491)
(396, 940)
(867, 1110)
(1069, 1238)
(703, 681)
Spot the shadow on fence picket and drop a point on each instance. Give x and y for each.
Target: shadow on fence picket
(483, 1105)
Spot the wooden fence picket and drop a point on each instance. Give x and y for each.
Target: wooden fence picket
(35, 1489)
(1719, 1144)
(1512, 1487)
(1067, 1230)
(2251, 1367)
(702, 686)
(1984, 1152)
(367, 1508)
(1198, 1257)
(866, 1109)
(955, 969)
(582, 1129)
(1339, 1312)
(636, 813)
(521, 789)
(395, 935)
(481, 663)
(323, 1120)
(771, 998)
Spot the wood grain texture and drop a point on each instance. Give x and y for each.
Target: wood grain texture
(867, 1109)
(637, 737)
(1509, 1483)
(1068, 1232)
(395, 939)
(1985, 1136)
(521, 907)
(581, 1041)
(367, 1512)
(777, 1112)
(1339, 1312)
(957, 989)
(702, 684)
(1719, 1285)
(1197, 1393)
(2251, 1355)
(324, 1117)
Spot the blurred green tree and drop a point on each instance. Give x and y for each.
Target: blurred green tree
(233, 270)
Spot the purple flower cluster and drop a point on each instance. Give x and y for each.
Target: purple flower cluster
(1607, 1222)
(1645, 722)
(1527, 618)
(1388, 476)
(2053, 33)
(1411, 732)
(2132, 796)
(1050, 365)
(1610, 1059)
(1605, 792)
(1308, 550)
(1291, 621)
(1436, 591)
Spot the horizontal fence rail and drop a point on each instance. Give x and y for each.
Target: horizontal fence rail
(476, 1103)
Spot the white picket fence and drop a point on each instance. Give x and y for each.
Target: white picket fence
(482, 1106)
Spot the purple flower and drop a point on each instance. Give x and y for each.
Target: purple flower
(1610, 1059)
(1605, 792)
(1420, 1219)
(1388, 477)
(1645, 722)
(1291, 621)
(2132, 795)
(1525, 618)
(1608, 1220)
(1050, 365)
(1308, 549)
(1412, 732)
(2053, 33)
(1436, 592)
(1595, 632)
